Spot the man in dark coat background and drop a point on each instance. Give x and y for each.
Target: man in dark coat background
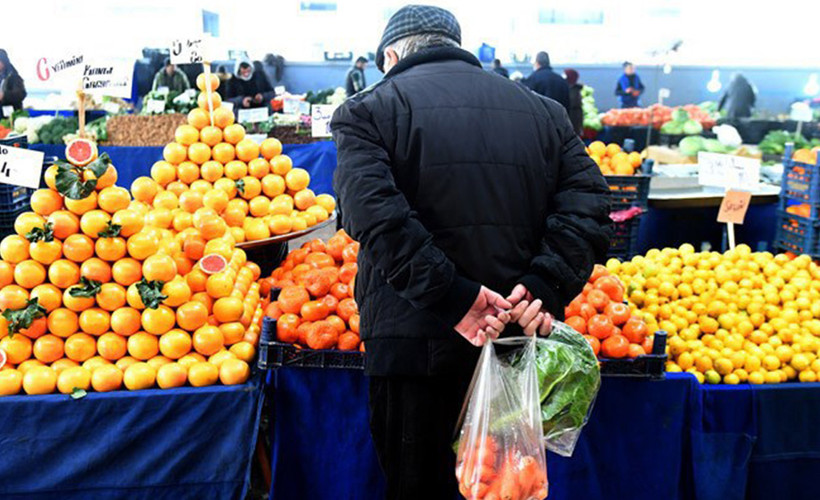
(546, 82)
(739, 98)
(463, 188)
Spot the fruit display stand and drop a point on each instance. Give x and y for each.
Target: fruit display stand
(189, 442)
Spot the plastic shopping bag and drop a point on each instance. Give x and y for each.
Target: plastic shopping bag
(500, 451)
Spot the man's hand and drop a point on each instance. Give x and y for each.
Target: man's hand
(629, 90)
(2, 94)
(485, 319)
(527, 312)
(246, 102)
(257, 98)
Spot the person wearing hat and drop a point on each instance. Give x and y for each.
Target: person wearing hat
(354, 80)
(546, 82)
(171, 78)
(477, 210)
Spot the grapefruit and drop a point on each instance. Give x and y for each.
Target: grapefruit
(81, 152)
(213, 263)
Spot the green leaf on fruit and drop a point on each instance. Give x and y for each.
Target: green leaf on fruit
(240, 186)
(87, 288)
(20, 319)
(78, 393)
(111, 231)
(45, 233)
(151, 293)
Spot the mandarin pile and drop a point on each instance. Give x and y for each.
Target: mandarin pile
(735, 317)
(612, 160)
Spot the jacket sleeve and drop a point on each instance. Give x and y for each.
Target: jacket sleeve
(619, 88)
(184, 79)
(578, 229)
(377, 215)
(639, 84)
(155, 85)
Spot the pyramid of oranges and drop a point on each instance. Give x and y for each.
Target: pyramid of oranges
(254, 188)
(102, 288)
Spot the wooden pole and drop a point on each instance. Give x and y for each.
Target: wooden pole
(207, 67)
(81, 110)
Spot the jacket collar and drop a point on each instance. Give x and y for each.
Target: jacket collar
(431, 55)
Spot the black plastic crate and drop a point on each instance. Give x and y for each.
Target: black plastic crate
(624, 242)
(273, 354)
(797, 234)
(648, 366)
(268, 257)
(629, 191)
(14, 200)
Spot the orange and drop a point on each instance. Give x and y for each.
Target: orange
(40, 380)
(80, 347)
(280, 224)
(159, 267)
(220, 357)
(202, 186)
(190, 201)
(199, 153)
(219, 285)
(223, 117)
(48, 348)
(13, 297)
(236, 169)
(232, 332)
(46, 201)
(270, 147)
(14, 249)
(191, 358)
(106, 378)
(77, 248)
(64, 223)
(282, 205)
(186, 135)
(95, 362)
(110, 249)
(612, 149)
(18, 348)
(234, 133)
(202, 374)
(281, 165)
(215, 102)
(238, 204)
(76, 304)
(48, 295)
(259, 207)
(234, 371)
(304, 199)
(125, 321)
(111, 297)
(96, 269)
(210, 135)
(256, 229)
(114, 198)
(211, 171)
(258, 167)
(130, 221)
(227, 185)
(95, 321)
(273, 185)
(112, 346)
(80, 207)
(6, 273)
(126, 271)
(208, 339)
(75, 377)
(139, 376)
(50, 176)
(143, 346)
(171, 375)
(327, 202)
(158, 361)
(159, 217)
(175, 344)
(244, 351)
(29, 274)
(166, 199)
(177, 291)
(223, 153)
(11, 381)
(174, 153)
(228, 309)
(27, 221)
(144, 188)
(62, 364)
(142, 245)
(108, 178)
(199, 118)
(251, 187)
(63, 273)
(163, 172)
(63, 323)
(211, 227)
(319, 212)
(246, 150)
(216, 199)
(158, 321)
(182, 220)
(197, 280)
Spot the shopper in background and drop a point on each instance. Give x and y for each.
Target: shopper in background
(501, 70)
(462, 188)
(12, 87)
(739, 98)
(629, 87)
(546, 82)
(273, 67)
(171, 78)
(224, 79)
(354, 81)
(263, 85)
(576, 108)
(243, 88)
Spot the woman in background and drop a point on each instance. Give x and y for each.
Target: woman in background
(576, 109)
(12, 88)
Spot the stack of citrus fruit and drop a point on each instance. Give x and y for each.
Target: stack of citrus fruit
(315, 307)
(253, 187)
(735, 317)
(612, 160)
(610, 327)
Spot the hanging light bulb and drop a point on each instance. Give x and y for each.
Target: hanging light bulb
(714, 84)
(667, 68)
(813, 86)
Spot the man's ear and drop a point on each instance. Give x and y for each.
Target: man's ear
(391, 58)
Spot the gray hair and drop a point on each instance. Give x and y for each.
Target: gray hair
(415, 43)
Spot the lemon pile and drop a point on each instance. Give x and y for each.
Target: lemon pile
(732, 318)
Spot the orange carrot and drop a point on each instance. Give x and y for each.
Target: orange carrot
(509, 482)
(528, 474)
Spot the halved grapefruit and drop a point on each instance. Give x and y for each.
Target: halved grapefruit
(212, 263)
(81, 152)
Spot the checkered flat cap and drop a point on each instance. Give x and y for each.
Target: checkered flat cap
(415, 20)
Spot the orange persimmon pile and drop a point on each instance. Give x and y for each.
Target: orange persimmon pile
(315, 307)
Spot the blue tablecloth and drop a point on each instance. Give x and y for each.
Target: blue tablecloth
(670, 439)
(319, 159)
(180, 443)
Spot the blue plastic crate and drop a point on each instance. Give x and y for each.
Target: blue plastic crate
(629, 191)
(624, 242)
(14, 200)
(796, 234)
(800, 183)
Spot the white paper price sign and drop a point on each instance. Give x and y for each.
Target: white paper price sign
(7, 111)
(279, 90)
(253, 115)
(155, 106)
(108, 78)
(728, 171)
(20, 167)
(304, 108)
(320, 115)
(188, 50)
(290, 106)
(51, 69)
(801, 112)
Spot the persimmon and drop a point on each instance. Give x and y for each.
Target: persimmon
(286, 327)
(600, 326)
(322, 335)
(318, 260)
(348, 271)
(348, 341)
(354, 323)
(340, 291)
(351, 252)
(330, 302)
(597, 272)
(292, 298)
(635, 350)
(618, 312)
(615, 346)
(314, 310)
(594, 343)
(635, 330)
(347, 308)
(611, 286)
(273, 311)
(598, 299)
(302, 331)
(335, 246)
(577, 323)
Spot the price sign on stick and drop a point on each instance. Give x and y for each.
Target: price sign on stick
(734, 206)
(320, 119)
(108, 78)
(188, 50)
(253, 115)
(20, 167)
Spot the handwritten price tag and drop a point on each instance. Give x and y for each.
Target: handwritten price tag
(253, 115)
(187, 50)
(108, 78)
(734, 206)
(320, 120)
(290, 106)
(728, 171)
(20, 167)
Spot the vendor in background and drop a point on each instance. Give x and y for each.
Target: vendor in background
(172, 78)
(499, 69)
(224, 78)
(12, 88)
(546, 82)
(244, 88)
(739, 98)
(576, 109)
(629, 87)
(354, 81)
